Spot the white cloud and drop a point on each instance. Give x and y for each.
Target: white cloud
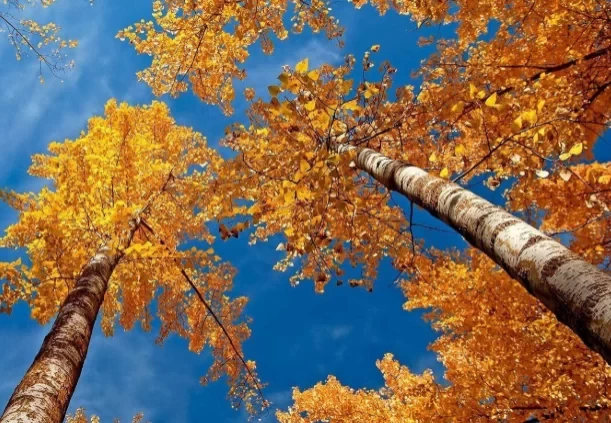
(17, 349)
(340, 331)
(323, 334)
(128, 374)
(122, 376)
(33, 114)
(25, 101)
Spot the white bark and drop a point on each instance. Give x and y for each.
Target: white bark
(575, 290)
(44, 393)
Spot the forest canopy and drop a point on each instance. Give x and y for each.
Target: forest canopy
(229, 170)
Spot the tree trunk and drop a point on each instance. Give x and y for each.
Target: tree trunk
(44, 393)
(576, 291)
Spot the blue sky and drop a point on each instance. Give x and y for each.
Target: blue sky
(298, 337)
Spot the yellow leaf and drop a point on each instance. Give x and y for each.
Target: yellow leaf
(304, 166)
(310, 105)
(458, 107)
(303, 193)
(540, 105)
(352, 105)
(530, 116)
(444, 173)
(290, 231)
(472, 90)
(375, 48)
(491, 101)
(302, 67)
(345, 87)
(333, 159)
(314, 75)
(576, 149)
(284, 78)
(459, 150)
(605, 179)
(481, 94)
(370, 90)
(517, 124)
(274, 90)
(424, 96)
(289, 197)
(293, 85)
(433, 158)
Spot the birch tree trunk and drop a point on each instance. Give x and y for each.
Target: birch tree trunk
(576, 291)
(44, 393)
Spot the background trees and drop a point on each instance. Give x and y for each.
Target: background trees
(29, 37)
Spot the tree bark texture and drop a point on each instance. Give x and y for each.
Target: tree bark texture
(44, 393)
(576, 291)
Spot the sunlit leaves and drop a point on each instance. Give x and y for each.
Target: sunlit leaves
(579, 206)
(80, 416)
(31, 38)
(504, 356)
(302, 67)
(249, 94)
(574, 151)
(307, 192)
(133, 171)
(458, 124)
(203, 45)
(333, 400)
(491, 101)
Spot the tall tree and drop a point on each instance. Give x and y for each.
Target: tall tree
(108, 235)
(506, 359)
(295, 149)
(515, 106)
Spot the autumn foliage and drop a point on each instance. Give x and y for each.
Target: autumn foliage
(514, 108)
(29, 37)
(81, 417)
(133, 182)
(505, 356)
(519, 98)
(192, 45)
